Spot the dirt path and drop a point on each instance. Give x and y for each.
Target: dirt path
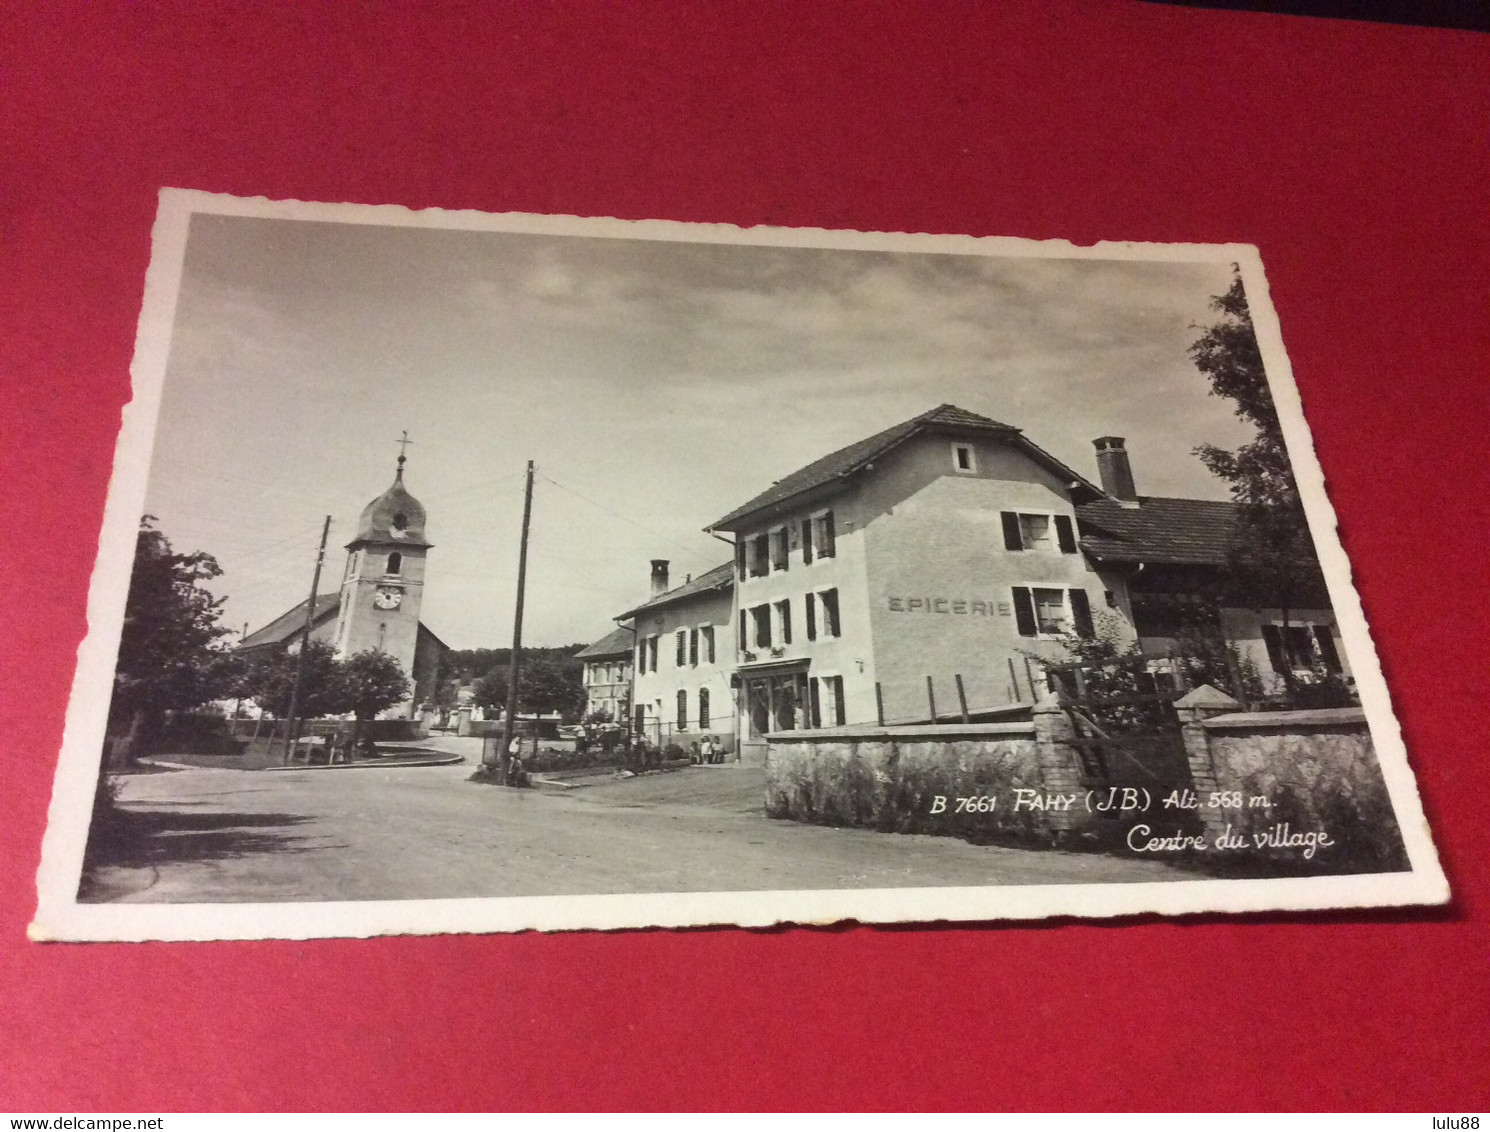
(217, 836)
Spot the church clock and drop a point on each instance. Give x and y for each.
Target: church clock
(386, 597)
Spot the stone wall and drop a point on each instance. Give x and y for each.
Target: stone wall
(1257, 783)
(888, 778)
(1317, 771)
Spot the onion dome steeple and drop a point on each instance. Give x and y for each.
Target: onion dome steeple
(395, 517)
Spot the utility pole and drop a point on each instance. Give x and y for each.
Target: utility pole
(238, 703)
(310, 614)
(504, 756)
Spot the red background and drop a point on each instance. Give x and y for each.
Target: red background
(1354, 155)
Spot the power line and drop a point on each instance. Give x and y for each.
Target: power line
(625, 519)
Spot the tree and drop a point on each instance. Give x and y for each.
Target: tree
(367, 683)
(171, 653)
(545, 683)
(1271, 562)
(270, 682)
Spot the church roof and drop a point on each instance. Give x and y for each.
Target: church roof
(839, 465)
(395, 517)
(616, 643)
(283, 628)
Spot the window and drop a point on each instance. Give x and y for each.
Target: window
(784, 620)
(1034, 532)
(762, 616)
(395, 562)
(780, 549)
(1303, 648)
(828, 599)
(682, 710)
(1042, 612)
(822, 534)
(707, 633)
(760, 555)
(703, 709)
(963, 459)
(680, 640)
(693, 648)
(827, 702)
(1050, 610)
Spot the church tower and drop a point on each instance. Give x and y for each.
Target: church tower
(383, 586)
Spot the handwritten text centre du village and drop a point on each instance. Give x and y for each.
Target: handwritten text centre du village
(1136, 800)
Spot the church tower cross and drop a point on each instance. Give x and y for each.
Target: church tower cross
(403, 443)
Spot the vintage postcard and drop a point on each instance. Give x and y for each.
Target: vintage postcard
(470, 573)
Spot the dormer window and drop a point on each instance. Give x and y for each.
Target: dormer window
(395, 562)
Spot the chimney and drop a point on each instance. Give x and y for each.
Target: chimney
(659, 576)
(1113, 469)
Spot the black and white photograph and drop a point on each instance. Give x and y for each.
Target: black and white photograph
(489, 573)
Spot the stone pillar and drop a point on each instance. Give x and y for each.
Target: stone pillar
(1193, 709)
(1060, 767)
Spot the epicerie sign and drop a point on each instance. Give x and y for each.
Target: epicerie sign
(948, 605)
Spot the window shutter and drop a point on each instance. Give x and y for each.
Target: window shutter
(641, 658)
(682, 648)
(1327, 651)
(740, 558)
(1065, 534)
(829, 539)
(1012, 541)
(815, 697)
(786, 622)
(1272, 637)
(838, 706)
(807, 542)
(829, 599)
(682, 710)
(812, 617)
(703, 709)
(1024, 611)
(709, 643)
(744, 635)
(693, 648)
(1081, 614)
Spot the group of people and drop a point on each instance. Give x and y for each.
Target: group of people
(710, 752)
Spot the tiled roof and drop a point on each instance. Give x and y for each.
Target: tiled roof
(617, 643)
(847, 461)
(716, 579)
(286, 625)
(1175, 532)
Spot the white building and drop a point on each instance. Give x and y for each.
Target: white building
(684, 655)
(607, 678)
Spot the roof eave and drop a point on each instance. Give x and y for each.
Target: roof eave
(665, 600)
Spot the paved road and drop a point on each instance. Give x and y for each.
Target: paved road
(209, 835)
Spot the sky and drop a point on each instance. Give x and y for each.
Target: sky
(655, 384)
